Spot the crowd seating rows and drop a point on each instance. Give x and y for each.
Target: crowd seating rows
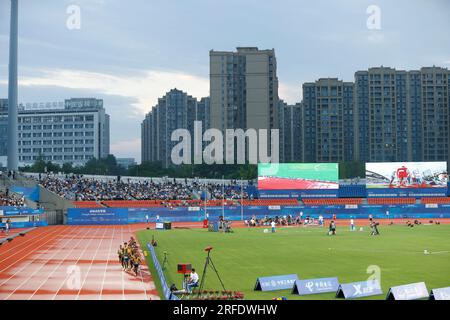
(78, 188)
(388, 201)
(91, 193)
(8, 199)
(435, 200)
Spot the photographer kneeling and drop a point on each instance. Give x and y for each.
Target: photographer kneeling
(374, 226)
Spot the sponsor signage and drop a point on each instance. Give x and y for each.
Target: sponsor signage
(411, 291)
(275, 283)
(100, 216)
(315, 286)
(359, 289)
(440, 294)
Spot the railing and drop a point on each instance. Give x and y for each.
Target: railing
(162, 278)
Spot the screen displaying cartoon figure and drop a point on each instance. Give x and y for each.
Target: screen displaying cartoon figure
(406, 175)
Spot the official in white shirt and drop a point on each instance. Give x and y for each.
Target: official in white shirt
(193, 280)
(273, 224)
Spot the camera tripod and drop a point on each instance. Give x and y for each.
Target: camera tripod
(165, 261)
(210, 263)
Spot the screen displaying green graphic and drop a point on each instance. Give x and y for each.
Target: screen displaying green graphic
(298, 176)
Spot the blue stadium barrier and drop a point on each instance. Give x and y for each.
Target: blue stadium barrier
(165, 288)
(407, 193)
(104, 216)
(98, 216)
(252, 191)
(296, 194)
(20, 211)
(12, 212)
(29, 224)
(352, 191)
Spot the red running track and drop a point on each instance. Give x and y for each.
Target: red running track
(71, 263)
(12, 232)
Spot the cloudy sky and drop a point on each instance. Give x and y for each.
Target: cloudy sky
(131, 52)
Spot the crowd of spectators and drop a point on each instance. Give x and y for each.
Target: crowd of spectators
(8, 199)
(286, 220)
(79, 188)
(219, 191)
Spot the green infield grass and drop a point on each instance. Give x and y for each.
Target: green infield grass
(243, 256)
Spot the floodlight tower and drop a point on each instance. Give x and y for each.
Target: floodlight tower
(12, 89)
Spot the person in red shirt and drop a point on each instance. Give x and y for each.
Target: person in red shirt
(402, 174)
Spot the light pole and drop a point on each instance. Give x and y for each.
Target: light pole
(12, 88)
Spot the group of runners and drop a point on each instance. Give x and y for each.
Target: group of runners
(129, 256)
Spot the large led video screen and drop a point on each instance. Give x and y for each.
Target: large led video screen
(406, 175)
(298, 176)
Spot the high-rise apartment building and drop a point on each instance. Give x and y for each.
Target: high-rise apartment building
(244, 89)
(435, 114)
(402, 115)
(175, 110)
(73, 131)
(290, 121)
(327, 121)
(381, 114)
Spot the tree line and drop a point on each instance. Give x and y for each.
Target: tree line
(109, 166)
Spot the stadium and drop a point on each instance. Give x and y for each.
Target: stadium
(307, 236)
(114, 191)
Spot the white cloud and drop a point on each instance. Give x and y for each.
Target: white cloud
(290, 93)
(146, 87)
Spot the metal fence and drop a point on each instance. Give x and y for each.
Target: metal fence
(55, 217)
